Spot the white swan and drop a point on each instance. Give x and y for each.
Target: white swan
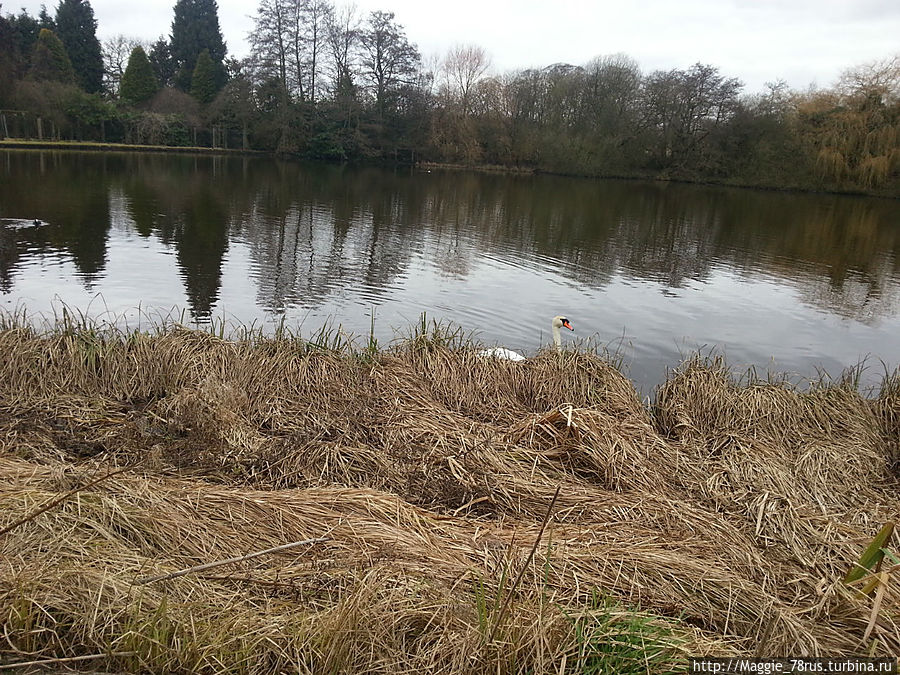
(509, 355)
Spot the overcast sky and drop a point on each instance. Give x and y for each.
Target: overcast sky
(801, 41)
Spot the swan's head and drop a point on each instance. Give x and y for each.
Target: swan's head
(560, 321)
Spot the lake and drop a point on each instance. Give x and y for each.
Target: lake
(783, 282)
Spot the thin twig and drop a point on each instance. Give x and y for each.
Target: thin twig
(512, 589)
(49, 505)
(217, 563)
(470, 504)
(68, 659)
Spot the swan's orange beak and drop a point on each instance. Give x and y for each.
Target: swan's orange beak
(568, 325)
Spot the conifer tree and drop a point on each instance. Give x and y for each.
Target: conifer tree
(160, 57)
(195, 28)
(49, 60)
(203, 82)
(77, 28)
(138, 82)
(25, 28)
(45, 20)
(8, 60)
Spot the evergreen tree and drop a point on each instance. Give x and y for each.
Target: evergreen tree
(195, 28)
(24, 35)
(77, 28)
(160, 57)
(203, 82)
(45, 20)
(49, 60)
(8, 60)
(138, 82)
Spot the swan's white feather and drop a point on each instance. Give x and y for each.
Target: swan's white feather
(501, 353)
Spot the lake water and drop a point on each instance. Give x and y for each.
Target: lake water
(783, 282)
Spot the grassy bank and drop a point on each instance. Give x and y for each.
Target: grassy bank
(721, 521)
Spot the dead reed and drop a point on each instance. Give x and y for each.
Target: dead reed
(720, 521)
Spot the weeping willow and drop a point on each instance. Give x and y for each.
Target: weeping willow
(858, 145)
(831, 164)
(874, 171)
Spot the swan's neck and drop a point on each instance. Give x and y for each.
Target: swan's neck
(557, 340)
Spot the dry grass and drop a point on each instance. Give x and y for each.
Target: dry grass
(719, 522)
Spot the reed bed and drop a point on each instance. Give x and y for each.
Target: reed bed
(415, 482)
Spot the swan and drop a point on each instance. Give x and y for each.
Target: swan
(509, 355)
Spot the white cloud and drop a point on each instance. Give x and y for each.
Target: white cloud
(801, 41)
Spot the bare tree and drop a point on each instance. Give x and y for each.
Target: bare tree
(116, 51)
(389, 60)
(683, 107)
(342, 31)
(287, 44)
(611, 91)
(879, 79)
(462, 68)
(775, 102)
(430, 74)
(269, 43)
(307, 37)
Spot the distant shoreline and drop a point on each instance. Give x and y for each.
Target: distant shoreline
(521, 171)
(94, 146)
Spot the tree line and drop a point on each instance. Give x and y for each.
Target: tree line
(327, 82)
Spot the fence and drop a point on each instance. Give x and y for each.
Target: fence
(143, 129)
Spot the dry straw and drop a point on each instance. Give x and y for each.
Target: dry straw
(721, 521)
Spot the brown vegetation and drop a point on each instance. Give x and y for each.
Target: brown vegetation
(721, 521)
